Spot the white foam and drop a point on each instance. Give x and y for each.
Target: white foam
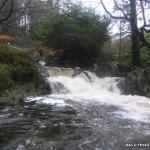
(47, 101)
(105, 91)
(102, 91)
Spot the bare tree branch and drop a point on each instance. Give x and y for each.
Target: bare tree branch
(10, 12)
(3, 4)
(143, 12)
(109, 13)
(119, 8)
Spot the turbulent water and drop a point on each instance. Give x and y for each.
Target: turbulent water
(83, 112)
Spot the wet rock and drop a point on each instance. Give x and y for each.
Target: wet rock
(58, 88)
(69, 72)
(54, 71)
(137, 82)
(83, 76)
(17, 94)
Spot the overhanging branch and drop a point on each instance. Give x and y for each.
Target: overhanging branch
(10, 12)
(119, 8)
(109, 13)
(3, 4)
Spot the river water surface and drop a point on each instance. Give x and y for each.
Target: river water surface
(83, 112)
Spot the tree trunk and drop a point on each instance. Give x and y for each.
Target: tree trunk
(136, 59)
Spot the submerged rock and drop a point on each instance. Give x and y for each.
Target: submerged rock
(83, 76)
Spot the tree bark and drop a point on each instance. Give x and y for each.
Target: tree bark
(136, 60)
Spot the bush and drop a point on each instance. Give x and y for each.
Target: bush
(12, 55)
(17, 66)
(5, 77)
(21, 73)
(145, 55)
(80, 33)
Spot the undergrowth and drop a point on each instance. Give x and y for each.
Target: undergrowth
(17, 66)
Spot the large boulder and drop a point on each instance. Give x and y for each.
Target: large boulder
(137, 82)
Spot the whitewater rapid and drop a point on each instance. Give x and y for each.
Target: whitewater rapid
(103, 91)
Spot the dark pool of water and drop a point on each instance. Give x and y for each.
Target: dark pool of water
(77, 126)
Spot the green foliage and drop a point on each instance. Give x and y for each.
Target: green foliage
(12, 55)
(5, 77)
(145, 55)
(21, 73)
(112, 48)
(16, 66)
(125, 53)
(79, 32)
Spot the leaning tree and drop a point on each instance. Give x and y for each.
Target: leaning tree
(135, 13)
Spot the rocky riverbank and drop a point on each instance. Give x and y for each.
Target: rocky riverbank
(137, 82)
(20, 75)
(40, 85)
(17, 94)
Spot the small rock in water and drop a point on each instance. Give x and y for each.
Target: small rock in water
(28, 142)
(20, 147)
(42, 63)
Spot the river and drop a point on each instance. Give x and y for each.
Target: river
(83, 112)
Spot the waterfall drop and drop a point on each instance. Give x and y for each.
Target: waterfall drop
(70, 84)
